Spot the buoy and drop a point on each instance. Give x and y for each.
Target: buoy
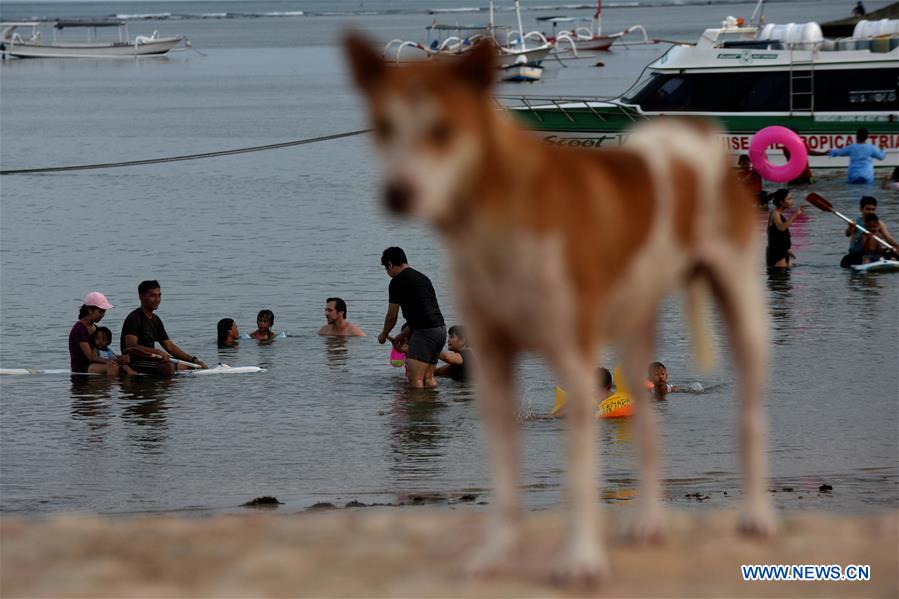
(777, 135)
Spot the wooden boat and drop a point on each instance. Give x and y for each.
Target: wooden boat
(35, 44)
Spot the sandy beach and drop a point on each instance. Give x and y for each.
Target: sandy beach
(418, 552)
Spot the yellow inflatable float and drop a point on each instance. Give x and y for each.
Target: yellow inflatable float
(617, 405)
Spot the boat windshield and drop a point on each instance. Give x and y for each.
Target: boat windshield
(766, 91)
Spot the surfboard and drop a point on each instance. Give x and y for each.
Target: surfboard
(217, 369)
(881, 265)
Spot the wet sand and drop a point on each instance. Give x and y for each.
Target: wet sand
(418, 552)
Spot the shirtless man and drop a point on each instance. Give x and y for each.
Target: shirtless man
(338, 325)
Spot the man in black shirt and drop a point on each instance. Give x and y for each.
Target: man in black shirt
(413, 292)
(142, 330)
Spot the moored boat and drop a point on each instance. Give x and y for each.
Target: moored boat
(35, 44)
(749, 78)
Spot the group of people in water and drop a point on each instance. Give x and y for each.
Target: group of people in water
(147, 349)
(864, 247)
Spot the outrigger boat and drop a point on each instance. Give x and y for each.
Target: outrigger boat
(516, 60)
(591, 39)
(749, 77)
(35, 44)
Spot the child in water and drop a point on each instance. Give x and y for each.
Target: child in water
(102, 339)
(604, 378)
(458, 356)
(658, 382)
(265, 320)
(871, 249)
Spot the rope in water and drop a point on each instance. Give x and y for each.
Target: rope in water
(84, 167)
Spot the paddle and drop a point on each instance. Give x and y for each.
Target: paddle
(146, 354)
(818, 201)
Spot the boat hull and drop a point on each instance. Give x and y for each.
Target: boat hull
(105, 50)
(589, 125)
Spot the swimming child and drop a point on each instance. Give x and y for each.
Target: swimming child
(658, 382)
(227, 332)
(458, 358)
(265, 320)
(604, 378)
(102, 339)
(658, 379)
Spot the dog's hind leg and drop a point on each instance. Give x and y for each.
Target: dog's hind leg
(496, 395)
(584, 559)
(636, 352)
(740, 295)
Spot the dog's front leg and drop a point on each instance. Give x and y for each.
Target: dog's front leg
(740, 294)
(584, 559)
(648, 522)
(496, 393)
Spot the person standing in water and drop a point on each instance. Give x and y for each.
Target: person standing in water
(778, 253)
(861, 169)
(413, 292)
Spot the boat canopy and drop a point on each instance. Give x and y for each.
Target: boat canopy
(83, 23)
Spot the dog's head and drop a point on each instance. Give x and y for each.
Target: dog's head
(428, 121)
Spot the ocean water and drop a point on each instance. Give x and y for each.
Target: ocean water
(330, 420)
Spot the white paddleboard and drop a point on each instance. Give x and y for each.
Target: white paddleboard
(220, 369)
(881, 265)
(20, 371)
(217, 369)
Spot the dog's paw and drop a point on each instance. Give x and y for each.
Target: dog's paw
(583, 564)
(494, 557)
(759, 520)
(647, 525)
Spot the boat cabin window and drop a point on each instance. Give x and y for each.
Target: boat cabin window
(759, 91)
(714, 92)
(861, 89)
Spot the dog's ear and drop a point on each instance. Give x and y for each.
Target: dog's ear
(478, 65)
(366, 64)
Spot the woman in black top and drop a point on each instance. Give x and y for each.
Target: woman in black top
(778, 253)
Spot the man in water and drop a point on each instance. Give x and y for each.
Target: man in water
(413, 292)
(143, 329)
(338, 325)
(861, 169)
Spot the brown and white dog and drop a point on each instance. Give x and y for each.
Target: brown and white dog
(562, 250)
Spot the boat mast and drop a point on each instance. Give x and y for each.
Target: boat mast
(520, 27)
(598, 18)
(758, 11)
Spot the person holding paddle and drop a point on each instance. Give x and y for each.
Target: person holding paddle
(83, 355)
(143, 329)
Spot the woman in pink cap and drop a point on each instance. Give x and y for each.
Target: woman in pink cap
(83, 355)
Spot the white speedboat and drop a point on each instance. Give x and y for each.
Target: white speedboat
(747, 78)
(36, 45)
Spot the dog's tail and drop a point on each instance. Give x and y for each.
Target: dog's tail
(696, 307)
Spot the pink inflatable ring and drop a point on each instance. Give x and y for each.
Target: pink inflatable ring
(776, 135)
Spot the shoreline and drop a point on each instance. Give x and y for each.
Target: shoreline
(420, 552)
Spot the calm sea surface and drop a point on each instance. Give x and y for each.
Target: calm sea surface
(331, 420)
